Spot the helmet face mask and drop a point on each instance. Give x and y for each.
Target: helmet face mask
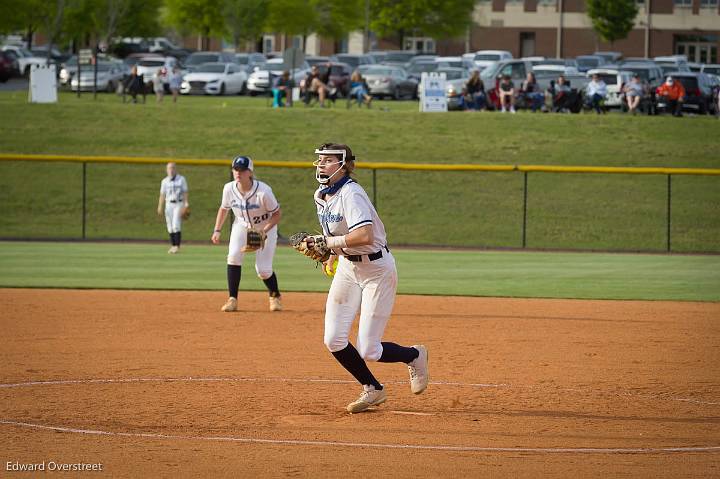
(323, 179)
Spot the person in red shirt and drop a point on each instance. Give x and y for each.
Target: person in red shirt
(673, 93)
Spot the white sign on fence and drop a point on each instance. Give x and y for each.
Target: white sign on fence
(43, 84)
(433, 96)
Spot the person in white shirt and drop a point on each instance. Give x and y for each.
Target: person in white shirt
(158, 81)
(365, 279)
(174, 198)
(254, 206)
(633, 93)
(596, 92)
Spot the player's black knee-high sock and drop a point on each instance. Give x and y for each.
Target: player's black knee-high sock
(233, 276)
(272, 285)
(394, 353)
(178, 237)
(355, 365)
(172, 239)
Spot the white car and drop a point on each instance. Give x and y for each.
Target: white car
(109, 76)
(148, 66)
(260, 81)
(25, 58)
(215, 79)
(615, 80)
(483, 58)
(556, 70)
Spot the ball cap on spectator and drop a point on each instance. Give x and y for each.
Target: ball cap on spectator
(242, 163)
(669, 80)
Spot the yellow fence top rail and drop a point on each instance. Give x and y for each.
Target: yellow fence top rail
(371, 165)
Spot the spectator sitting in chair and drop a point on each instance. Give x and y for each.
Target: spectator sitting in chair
(282, 88)
(359, 89)
(673, 94)
(314, 85)
(560, 94)
(596, 93)
(532, 94)
(507, 94)
(633, 93)
(474, 97)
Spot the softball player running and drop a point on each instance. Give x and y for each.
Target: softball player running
(173, 201)
(256, 210)
(366, 279)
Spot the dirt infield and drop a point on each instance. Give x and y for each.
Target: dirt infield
(162, 383)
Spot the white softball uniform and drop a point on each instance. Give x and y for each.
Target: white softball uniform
(252, 210)
(174, 189)
(366, 277)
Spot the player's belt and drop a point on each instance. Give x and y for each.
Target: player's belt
(357, 258)
(174, 201)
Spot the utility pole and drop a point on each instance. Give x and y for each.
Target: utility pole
(558, 41)
(648, 5)
(366, 36)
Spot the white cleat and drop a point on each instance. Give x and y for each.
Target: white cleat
(275, 304)
(369, 397)
(173, 250)
(418, 369)
(230, 305)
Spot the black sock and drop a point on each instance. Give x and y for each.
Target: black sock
(172, 239)
(233, 277)
(394, 353)
(178, 236)
(351, 360)
(272, 286)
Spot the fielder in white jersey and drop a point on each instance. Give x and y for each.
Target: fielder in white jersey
(365, 279)
(173, 200)
(255, 207)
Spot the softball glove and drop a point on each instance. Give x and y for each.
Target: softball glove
(255, 240)
(317, 250)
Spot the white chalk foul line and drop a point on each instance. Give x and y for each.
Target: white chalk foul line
(331, 381)
(421, 447)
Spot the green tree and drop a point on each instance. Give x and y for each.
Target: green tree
(337, 18)
(434, 18)
(612, 19)
(204, 17)
(31, 16)
(292, 17)
(245, 19)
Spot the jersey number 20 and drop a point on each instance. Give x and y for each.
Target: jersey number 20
(259, 219)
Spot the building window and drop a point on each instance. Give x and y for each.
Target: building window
(297, 42)
(708, 3)
(697, 48)
(683, 3)
(419, 44)
(268, 43)
(547, 3)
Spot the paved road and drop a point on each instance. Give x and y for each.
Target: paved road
(15, 84)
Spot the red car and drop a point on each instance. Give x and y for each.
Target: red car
(7, 66)
(339, 76)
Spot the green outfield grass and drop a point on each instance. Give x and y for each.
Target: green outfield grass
(606, 212)
(512, 274)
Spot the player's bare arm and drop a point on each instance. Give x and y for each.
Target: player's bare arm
(219, 222)
(273, 221)
(161, 204)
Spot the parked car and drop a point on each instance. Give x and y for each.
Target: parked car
(588, 62)
(260, 81)
(389, 81)
(455, 62)
(250, 60)
(695, 67)
(196, 59)
(483, 58)
(415, 70)
(215, 79)
(149, 65)
(698, 92)
(7, 67)
(711, 69)
(398, 58)
(649, 73)
(615, 80)
(352, 60)
(109, 76)
(556, 70)
(56, 56)
(378, 56)
(124, 48)
(610, 57)
(24, 58)
(316, 60)
(420, 59)
(568, 63)
(161, 45)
